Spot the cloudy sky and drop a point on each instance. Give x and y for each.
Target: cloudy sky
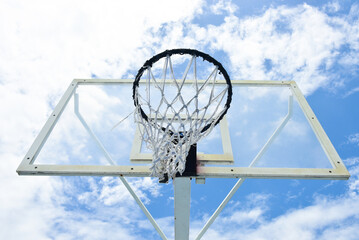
(44, 45)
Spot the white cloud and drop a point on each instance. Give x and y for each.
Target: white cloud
(351, 161)
(223, 5)
(66, 40)
(299, 43)
(246, 217)
(351, 92)
(332, 7)
(354, 139)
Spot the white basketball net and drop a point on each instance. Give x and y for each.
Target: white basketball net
(175, 120)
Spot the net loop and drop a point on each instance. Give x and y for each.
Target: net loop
(170, 119)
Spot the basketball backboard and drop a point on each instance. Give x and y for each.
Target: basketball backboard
(270, 131)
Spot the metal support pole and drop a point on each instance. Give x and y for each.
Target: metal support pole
(110, 160)
(89, 131)
(254, 161)
(143, 207)
(182, 195)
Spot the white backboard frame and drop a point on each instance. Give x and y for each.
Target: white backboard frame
(338, 170)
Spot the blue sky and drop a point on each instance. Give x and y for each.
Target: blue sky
(45, 45)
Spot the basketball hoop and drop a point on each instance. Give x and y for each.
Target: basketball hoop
(172, 117)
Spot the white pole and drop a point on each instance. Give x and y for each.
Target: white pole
(182, 190)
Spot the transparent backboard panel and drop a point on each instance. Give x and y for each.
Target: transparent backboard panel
(88, 133)
(254, 117)
(86, 128)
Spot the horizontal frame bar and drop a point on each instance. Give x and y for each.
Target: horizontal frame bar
(203, 172)
(253, 83)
